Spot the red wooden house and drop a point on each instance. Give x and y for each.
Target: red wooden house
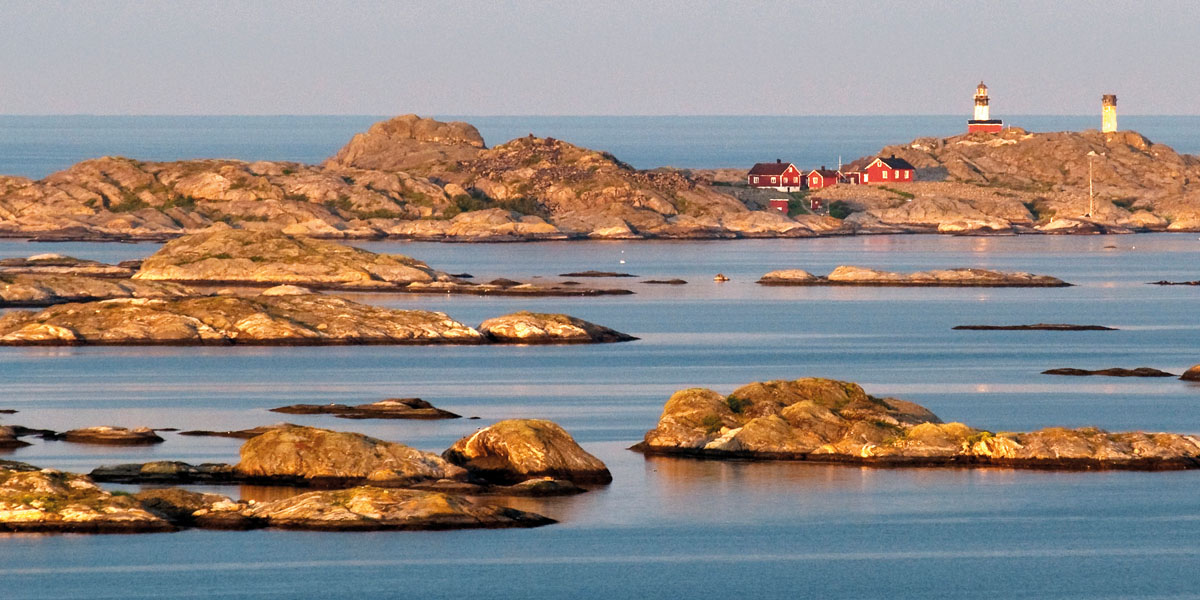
(778, 175)
(888, 170)
(823, 178)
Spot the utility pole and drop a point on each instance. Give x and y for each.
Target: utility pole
(1091, 191)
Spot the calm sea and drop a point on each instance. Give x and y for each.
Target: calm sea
(678, 528)
(37, 146)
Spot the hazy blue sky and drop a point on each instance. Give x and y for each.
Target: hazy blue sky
(661, 57)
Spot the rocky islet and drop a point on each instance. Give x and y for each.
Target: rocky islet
(825, 420)
(862, 276)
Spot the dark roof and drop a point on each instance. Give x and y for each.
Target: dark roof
(824, 172)
(897, 163)
(771, 168)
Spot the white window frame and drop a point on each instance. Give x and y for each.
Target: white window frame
(885, 174)
(756, 179)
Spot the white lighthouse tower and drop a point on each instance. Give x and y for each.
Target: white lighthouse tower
(983, 122)
(1108, 113)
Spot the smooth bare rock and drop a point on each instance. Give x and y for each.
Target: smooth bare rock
(53, 501)
(1192, 374)
(518, 449)
(406, 142)
(391, 408)
(323, 457)
(851, 275)
(373, 508)
(313, 319)
(195, 509)
(835, 421)
(164, 471)
(862, 276)
(790, 277)
(58, 264)
(10, 439)
(115, 436)
(46, 290)
(272, 257)
(548, 328)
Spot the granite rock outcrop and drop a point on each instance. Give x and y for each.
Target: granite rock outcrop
(836, 421)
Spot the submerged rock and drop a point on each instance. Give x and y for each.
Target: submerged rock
(114, 436)
(519, 449)
(373, 508)
(851, 275)
(548, 328)
(1113, 372)
(392, 408)
(243, 434)
(52, 501)
(273, 257)
(836, 421)
(1036, 327)
(332, 458)
(45, 290)
(596, 274)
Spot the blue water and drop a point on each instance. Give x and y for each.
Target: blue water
(37, 146)
(677, 528)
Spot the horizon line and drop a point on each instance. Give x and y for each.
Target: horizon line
(577, 115)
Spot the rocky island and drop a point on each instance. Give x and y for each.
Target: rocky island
(407, 177)
(45, 290)
(823, 420)
(282, 315)
(418, 178)
(267, 258)
(518, 457)
(48, 501)
(861, 276)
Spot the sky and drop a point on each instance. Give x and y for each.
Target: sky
(664, 57)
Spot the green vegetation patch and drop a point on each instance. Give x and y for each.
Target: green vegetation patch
(712, 424)
(901, 193)
(737, 405)
(798, 204)
(840, 210)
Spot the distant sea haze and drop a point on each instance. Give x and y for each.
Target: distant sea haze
(35, 146)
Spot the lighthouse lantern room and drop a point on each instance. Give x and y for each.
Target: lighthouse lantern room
(983, 122)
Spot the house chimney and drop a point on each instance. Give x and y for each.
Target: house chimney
(822, 167)
(778, 161)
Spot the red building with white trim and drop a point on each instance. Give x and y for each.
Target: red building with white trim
(823, 178)
(778, 175)
(888, 170)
